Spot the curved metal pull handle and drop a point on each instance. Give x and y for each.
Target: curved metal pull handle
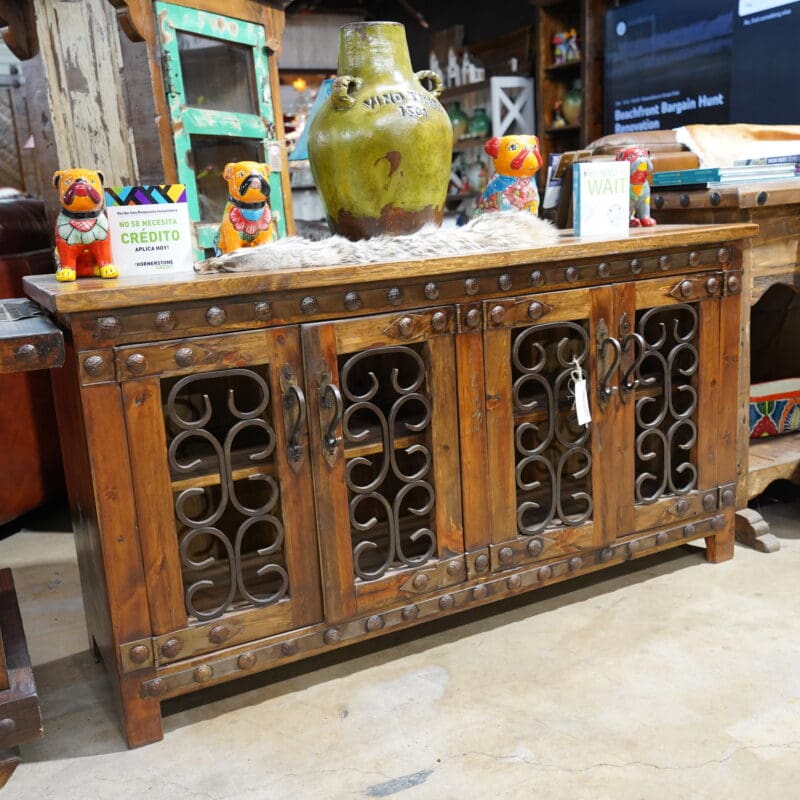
(630, 380)
(330, 398)
(605, 391)
(293, 397)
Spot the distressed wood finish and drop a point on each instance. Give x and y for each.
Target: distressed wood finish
(439, 331)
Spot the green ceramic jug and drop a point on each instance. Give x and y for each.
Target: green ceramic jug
(380, 146)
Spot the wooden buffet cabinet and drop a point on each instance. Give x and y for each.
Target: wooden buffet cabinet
(266, 466)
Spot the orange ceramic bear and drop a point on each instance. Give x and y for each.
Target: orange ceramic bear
(516, 160)
(247, 220)
(83, 246)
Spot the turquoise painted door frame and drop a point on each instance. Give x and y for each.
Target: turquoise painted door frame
(188, 121)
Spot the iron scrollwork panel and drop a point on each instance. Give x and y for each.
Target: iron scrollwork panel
(553, 451)
(386, 417)
(666, 401)
(222, 440)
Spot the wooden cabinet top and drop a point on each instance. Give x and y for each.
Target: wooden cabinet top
(94, 294)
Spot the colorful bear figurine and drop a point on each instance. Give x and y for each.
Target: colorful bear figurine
(247, 220)
(641, 172)
(83, 246)
(516, 161)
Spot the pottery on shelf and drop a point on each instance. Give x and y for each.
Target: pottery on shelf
(572, 104)
(380, 146)
(458, 119)
(480, 126)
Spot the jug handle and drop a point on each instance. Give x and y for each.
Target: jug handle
(341, 91)
(433, 77)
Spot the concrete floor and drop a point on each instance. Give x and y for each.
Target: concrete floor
(665, 678)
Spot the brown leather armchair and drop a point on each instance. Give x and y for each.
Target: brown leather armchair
(30, 456)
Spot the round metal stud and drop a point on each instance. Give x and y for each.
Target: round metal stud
(712, 285)
(658, 202)
(439, 321)
(184, 356)
(576, 562)
(685, 200)
(709, 501)
(203, 673)
(247, 660)
(289, 648)
(545, 573)
(506, 555)
(7, 726)
(395, 296)
(723, 254)
(165, 321)
(471, 286)
(661, 538)
(309, 304)
(26, 354)
(472, 319)
(686, 288)
(262, 310)
(446, 602)
(374, 623)
(409, 613)
(733, 283)
(606, 554)
(663, 263)
(405, 326)
(482, 563)
(535, 547)
(694, 258)
(504, 282)
(514, 582)
(154, 688)
(171, 648)
(682, 506)
(94, 365)
(604, 269)
(633, 547)
(497, 314)
(454, 568)
(108, 327)
(136, 363)
(352, 302)
(216, 316)
(636, 266)
(717, 523)
(572, 274)
(715, 198)
(420, 581)
(219, 633)
(332, 636)
(431, 291)
(727, 497)
(537, 278)
(479, 592)
(139, 654)
(535, 310)
(761, 199)
(688, 530)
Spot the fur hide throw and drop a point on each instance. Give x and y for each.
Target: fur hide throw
(488, 233)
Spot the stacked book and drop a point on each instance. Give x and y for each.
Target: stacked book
(753, 170)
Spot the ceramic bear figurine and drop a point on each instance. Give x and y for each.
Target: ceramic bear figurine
(247, 219)
(641, 172)
(83, 246)
(516, 161)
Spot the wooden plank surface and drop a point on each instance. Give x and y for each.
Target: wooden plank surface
(771, 459)
(89, 294)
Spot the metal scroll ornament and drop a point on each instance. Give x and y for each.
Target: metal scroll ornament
(666, 432)
(553, 453)
(221, 517)
(391, 497)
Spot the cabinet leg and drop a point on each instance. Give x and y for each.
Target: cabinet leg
(141, 716)
(753, 530)
(719, 547)
(9, 759)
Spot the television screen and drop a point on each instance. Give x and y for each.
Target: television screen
(684, 62)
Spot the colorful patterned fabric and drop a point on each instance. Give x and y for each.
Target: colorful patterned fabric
(774, 412)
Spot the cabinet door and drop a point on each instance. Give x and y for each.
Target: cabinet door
(543, 465)
(670, 333)
(382, 400)
(217, 435)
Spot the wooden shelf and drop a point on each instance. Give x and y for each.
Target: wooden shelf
(563, 71)
(773, 458)
(457, 92)
(466, 144)
(564, 130)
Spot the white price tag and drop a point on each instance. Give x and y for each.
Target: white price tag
(581, 396)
